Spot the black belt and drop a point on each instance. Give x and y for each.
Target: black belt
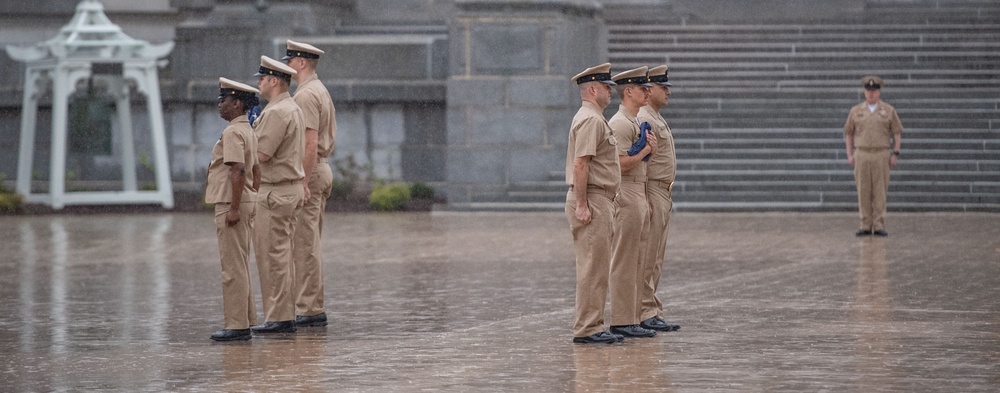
(281, 183)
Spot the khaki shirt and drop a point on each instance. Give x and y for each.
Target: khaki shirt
(663, 164)
(318, 113)
(873, 130)
(238, 144)
(281, 135)
(590, 135)
(626, 130)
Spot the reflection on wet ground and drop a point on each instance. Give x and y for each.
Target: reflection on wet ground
(483, 302)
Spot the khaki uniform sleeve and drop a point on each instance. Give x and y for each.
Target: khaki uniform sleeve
(308, 101)
(622, 131)
(233, 147)
(849, 124)
(894, 124)
(587, 138)
(268, 133)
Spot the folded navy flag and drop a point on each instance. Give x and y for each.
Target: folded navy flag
(253, 114)
(641, 143)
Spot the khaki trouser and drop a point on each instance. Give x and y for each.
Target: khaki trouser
(631, 229)
(278, 208)
(871, 176)
(307, 253)
(592, 244)
(658, 195)
(234, 252)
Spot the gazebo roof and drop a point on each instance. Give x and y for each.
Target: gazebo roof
(90, 35)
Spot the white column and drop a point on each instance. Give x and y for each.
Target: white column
(124, 108)
(29, 119)
(155, 108)
(57, 161)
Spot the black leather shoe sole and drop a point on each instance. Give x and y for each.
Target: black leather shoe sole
(232, 335)
(602, 337)
(862, 233)
(881, 233)
(633, 331)
(275, 327)
(653, 324)
(311, 320)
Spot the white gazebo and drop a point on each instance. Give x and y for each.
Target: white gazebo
(92, 39)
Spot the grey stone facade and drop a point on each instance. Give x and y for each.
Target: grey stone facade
(473, 96)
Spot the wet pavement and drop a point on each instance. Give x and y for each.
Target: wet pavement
(465, 302)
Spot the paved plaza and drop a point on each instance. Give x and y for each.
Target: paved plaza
(468, 302)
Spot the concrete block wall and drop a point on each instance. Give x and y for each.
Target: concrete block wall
(510, 100)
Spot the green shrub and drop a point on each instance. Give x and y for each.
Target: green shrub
(421, 191)
(10, 202)
(389, 197)
(342, 189)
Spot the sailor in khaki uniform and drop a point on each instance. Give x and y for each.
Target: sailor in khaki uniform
(660, 171)
(233, 177)
(593, 176)
(321, 126)
(871, 128)
(632, 221)
(280, 141)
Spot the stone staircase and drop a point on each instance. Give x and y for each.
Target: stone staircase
(758, 110)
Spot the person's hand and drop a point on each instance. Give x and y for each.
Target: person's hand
(893, 160)
(233, 216)
(652, 142)
(850, 160)
(583, 213)
(305, 191)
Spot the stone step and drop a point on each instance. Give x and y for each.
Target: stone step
(686, 72)
(833, 175)
(839, 105)
(737, 207)
(846, 195)
(864, 30)
(799, 48)
(617, 37)
(826, 207)
(824, 165)
(776, 186)
(852, 93)
(722, 122)
(834, 144)
(821, 112)
(829, 154)
(826, 133)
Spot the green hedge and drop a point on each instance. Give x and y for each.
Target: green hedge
(389, 197)
(421, 191)
(10, 202)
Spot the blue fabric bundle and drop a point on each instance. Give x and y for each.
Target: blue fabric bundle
(641, 143)
(253, 113)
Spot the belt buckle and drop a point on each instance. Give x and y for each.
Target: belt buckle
(670, 187)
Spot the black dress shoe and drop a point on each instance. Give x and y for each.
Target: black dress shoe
(655, 323)
(231, 335)
(633, 331)
(275, 327)
(862, 232)
(311, 320)
(673, 326)
(882, 233)
(600, 337)
(618, 337)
